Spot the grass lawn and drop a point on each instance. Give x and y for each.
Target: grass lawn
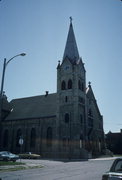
(9, 163)
(15, 166)
(117, 155)
(29, 156)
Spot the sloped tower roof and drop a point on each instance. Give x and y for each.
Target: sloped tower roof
(71, 50)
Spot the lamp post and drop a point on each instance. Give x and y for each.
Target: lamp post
(3, 77)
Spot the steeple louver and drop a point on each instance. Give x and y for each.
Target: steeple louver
(71, 50)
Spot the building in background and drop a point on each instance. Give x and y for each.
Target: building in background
(65, 124)
(114, 142)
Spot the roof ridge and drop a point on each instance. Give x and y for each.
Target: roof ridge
(32, 97)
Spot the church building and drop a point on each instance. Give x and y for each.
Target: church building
(65, 124)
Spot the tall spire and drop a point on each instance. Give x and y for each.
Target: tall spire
(71, 50)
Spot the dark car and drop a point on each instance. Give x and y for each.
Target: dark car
(115, 172)
(8, 156)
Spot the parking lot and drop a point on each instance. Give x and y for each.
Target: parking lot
(61, 170)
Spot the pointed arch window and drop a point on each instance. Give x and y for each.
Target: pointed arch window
(90, 118)
(81, 119)
(64, 142)
(49, 137)
(82, 87)
(5, 138)
(70, 84)
(18, 135)
(90, 122)
(66, 99)
(79, 84)
(63, 85)
(90, 113)
(33, 137)
(66, 118)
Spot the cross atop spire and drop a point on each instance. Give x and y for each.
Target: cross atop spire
(71, 50)
(70, 19)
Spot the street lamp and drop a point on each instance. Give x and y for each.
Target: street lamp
(3, 76)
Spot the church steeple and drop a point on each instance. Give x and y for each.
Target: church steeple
(71, 50)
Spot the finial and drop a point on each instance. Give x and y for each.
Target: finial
(89, 83)
(58, 64)
(70, 19)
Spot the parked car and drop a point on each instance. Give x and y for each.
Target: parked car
(115, 172)
(29, 155)
(8, 156)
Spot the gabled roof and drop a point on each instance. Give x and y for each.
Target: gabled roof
(33, 107)
(71, 50)
(89, 92)
(90, 95)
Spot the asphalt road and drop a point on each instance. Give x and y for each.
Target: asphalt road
(58, 170)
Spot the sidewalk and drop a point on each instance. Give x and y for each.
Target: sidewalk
(103, 158)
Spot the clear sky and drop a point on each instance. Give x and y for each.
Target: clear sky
(39, 28)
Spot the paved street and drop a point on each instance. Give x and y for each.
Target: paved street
(57, 170)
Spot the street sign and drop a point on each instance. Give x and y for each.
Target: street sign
(21, 141)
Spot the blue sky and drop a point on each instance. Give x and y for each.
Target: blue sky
(39, 28)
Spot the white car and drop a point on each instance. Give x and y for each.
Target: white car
(8, 156)
(115, 172)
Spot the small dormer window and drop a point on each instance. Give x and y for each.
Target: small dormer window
(67, 68)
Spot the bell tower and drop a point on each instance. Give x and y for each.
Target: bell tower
(71, 86)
